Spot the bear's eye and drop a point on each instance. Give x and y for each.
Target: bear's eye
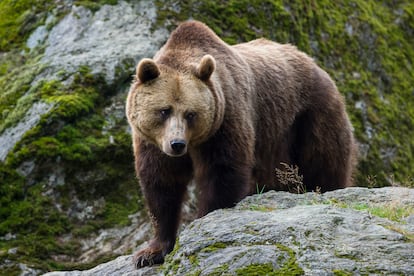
(165, 113)
(190, 116)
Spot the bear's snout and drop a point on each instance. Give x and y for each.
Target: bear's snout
(178, 146)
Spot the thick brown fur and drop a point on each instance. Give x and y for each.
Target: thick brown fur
(227, 116)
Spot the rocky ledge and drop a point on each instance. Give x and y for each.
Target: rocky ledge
(344, 232)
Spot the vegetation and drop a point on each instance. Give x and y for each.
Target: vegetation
(214, 247)
(95, 159)
(18, 19)
(71, 137)
(289, 176)
(394, 211)
(338, 272)
(288, 263)
(95, 5)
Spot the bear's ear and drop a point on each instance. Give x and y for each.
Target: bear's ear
(206, 67)
(147, 70)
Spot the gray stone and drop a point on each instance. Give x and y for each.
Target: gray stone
(120, 266)
(37, 37)
(112, 38)
(27, 271)
(115, 240)
(26, 167)
(308, 233)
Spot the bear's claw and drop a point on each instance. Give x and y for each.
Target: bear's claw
(148, 257)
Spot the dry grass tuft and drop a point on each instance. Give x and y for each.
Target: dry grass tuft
(290, 177)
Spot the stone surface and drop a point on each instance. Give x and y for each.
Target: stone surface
(108, 41)
(120, 266)
(308, 234)
(37, 37)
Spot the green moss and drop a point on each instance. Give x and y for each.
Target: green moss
(258, 269)
(259, 207)
(18, 93)
(290, 267)
(116, 214)
(18, 19)
(393, 211)
(214, 247)
(36, 222)
(13, 270)
(95, 5)
(171, 266)
(222, 270)
(409, 236)
(348, 256)
(69, 104)
(338, 272)
(231, 19)
(71, 137)
(193, 260)
(196, 273)
(172, 263)
(11, 191)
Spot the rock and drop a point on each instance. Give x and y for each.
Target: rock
(284, 233)
(112, 38)
(115, 240)
(27, 271)
(120, 266)
(37, 37)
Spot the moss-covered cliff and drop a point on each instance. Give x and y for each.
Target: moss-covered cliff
(71, 174)
(77, 156)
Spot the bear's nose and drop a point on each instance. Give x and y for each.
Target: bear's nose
(178, 146)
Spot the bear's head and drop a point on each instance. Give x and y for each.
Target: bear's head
(173, 109)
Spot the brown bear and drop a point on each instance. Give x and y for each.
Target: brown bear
(227, 116)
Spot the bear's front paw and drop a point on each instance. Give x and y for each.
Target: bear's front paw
(151, 255)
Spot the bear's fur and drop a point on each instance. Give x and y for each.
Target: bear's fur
(227, 117)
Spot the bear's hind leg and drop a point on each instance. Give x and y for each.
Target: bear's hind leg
(324, 149)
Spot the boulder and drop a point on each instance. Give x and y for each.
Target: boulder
(350, 231)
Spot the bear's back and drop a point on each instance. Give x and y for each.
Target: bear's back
(195, 35)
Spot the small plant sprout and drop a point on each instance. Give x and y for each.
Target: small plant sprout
(259, 190)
